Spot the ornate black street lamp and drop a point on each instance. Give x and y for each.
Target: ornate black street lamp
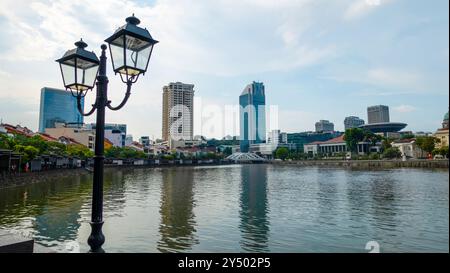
(131, 47)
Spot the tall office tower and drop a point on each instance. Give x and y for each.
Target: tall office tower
(58, 106)
(252, 115)
(377, 114)
(178, 112)
(352, 122)
(324, 126)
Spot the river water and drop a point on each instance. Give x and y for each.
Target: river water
(239, 208)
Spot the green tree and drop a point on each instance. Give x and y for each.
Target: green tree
(7, 142)
(426, 143)
(408, 136)
(56, 148)
(441, 151)
(374, 156)
(211, 155)
(28, 152)
(392, 152)
(282, 153)
(227, 151)
(80, 151)
(385, 144)
(352, 137)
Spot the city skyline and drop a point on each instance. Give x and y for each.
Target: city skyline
(313, 68)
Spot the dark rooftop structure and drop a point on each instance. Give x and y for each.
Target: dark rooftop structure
(384, 127)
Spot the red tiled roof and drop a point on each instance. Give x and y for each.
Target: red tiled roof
(17, 130)
(407, 140)
(137, 144)
(47, 137)
(339, 139)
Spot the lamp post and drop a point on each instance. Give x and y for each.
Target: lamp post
(130, 47)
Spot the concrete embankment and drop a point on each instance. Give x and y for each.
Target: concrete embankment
(17, 179)
(34, 177)
(370, 164)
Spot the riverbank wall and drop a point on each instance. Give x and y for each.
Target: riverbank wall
(369, 164)
(17, 179)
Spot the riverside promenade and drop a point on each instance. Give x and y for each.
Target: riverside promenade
(369, 164)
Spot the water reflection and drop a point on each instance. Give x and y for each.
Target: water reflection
(177, 228)
(114, 192)
(254, 224)
(227, 210)
(50, 212)
(384, 200)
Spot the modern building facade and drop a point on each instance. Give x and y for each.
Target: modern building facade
(178, 112)
(299, 139)
(324, 126)
(276, 139)
(352, 122)
(276, 136)
(58, 106)
(116, 133)
(377, 114)
(252, 115)
(338, 146)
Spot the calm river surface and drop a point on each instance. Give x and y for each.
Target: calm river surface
(248, 208)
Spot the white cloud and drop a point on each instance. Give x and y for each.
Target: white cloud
(394, 77)
(193, 41)
(398, 80)
(201, 41)
(404, 108)
(360, 8)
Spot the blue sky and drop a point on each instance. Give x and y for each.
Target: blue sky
(319, 59)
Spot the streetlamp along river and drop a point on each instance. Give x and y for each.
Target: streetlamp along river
(130, 47)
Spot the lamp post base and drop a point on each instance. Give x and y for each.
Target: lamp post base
(96, 239)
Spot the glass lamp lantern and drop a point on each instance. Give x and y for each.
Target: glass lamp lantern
(131, 47)
(79, 68)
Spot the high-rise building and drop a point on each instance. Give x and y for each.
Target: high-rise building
(377, 114)
(324, 126)
(252, 115)
(276, 137)
(352, 122)
(58, 106)
(178, 112)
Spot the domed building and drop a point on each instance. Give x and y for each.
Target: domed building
(445, 122)
(442, 133)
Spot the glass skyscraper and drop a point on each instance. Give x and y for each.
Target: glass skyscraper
(58, 106)
(252, 115)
